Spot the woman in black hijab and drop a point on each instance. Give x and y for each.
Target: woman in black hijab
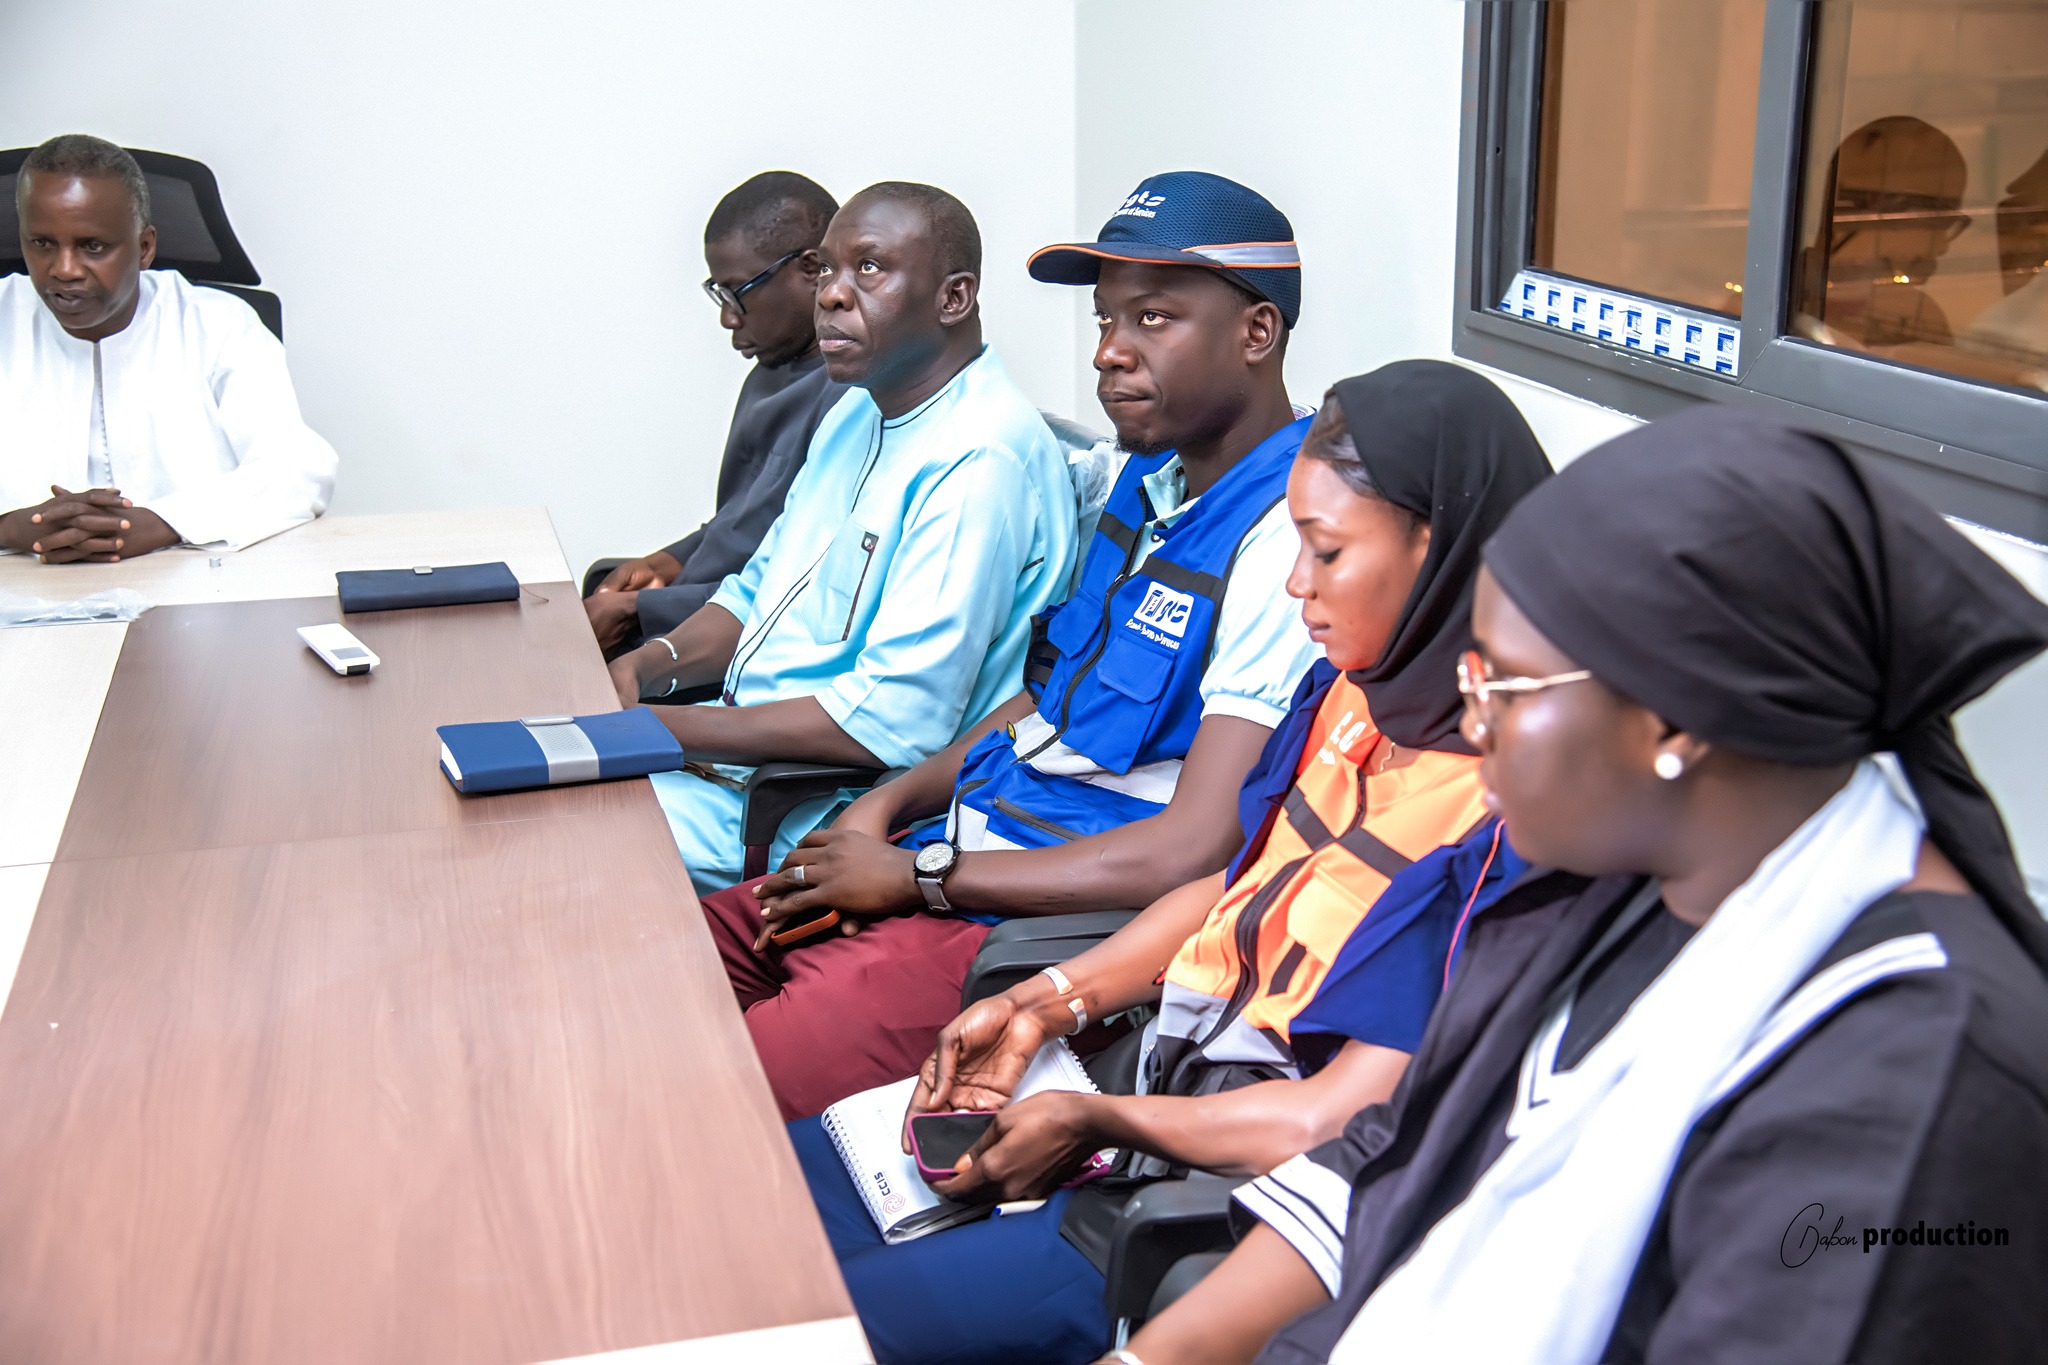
(1782, 1000)
(1400, 480)
(1446, 446)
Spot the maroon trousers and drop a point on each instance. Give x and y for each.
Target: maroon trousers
(837, 1015)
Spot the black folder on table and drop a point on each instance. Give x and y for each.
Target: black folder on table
(444, 586)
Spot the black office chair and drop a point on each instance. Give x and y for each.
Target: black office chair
(1018, 949)
(1168, 1237)
(192, 232)
(773, 790)
(1072, 435)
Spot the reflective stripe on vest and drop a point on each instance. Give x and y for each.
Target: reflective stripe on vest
(1125, 689)
(1266, 946)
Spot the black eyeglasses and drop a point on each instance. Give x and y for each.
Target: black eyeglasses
(731, 298)
(1859, 210)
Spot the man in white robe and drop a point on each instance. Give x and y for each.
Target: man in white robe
(168, 403)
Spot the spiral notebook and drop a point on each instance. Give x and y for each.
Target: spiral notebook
(868, 1131)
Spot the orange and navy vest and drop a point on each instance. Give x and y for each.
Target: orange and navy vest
(1343, 833)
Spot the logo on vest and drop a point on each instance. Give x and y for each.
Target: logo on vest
(1343, 735)
(1164, 613)
(1140, 205)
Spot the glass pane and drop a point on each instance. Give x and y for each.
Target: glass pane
(1924, 209)
(1649, 127)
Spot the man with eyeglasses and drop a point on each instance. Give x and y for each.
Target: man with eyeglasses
(889, 607)
(761, 245)
(1897, 187)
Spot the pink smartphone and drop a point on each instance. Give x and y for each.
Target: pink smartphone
(938, 1141)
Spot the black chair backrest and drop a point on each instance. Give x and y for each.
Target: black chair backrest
(192, 232)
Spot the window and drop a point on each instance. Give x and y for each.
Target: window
(1838, 211)
(1646, 145)
(1918, 120)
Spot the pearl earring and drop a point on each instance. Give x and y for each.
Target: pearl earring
(1669, 766)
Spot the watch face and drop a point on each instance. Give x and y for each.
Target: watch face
(934, 858)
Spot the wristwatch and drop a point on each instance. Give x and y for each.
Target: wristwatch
(935, 862)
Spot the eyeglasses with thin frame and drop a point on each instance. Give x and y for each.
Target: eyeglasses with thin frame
(1479, 690)
(1858, 210)
(726, 297)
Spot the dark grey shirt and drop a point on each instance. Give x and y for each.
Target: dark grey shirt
(772, 423)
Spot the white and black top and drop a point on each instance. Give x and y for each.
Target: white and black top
(1874, 1192)
(189, 410)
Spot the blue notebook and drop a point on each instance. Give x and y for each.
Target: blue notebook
(451, 585)
(548, 751)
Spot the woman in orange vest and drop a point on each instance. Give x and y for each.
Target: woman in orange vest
(1401, 479)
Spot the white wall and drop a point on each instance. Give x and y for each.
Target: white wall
(486, 222)
(2005, 733)
(1345, 113)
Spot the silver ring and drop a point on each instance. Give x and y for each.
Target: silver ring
(796, 874)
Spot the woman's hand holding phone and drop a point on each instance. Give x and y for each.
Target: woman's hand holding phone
(1030, 1149)
(940, 1142)
(979, 1058)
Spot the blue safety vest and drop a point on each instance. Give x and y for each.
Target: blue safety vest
(1125, 688)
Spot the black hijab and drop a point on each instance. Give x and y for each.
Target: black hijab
(1448, 445)
(1755, 586)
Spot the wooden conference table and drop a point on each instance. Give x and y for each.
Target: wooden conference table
(306, 1057)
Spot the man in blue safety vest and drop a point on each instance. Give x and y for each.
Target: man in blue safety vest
(1115, 782)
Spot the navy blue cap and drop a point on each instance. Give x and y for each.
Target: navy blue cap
(1191, 218)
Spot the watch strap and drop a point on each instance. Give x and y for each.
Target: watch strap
(932, 884)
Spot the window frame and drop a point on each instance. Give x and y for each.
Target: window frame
(1975, 451)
